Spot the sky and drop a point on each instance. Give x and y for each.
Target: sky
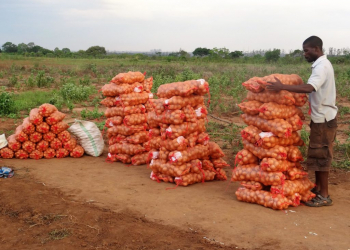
(168, 25)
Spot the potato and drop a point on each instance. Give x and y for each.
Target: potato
(21, 154)
(13, 144)
(34, 117)
(47, 109)
(6, 153)
(36, 154)
(55, 118)
(77, 152)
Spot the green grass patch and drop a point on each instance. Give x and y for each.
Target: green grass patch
(31, 99)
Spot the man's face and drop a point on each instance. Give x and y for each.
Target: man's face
(310, 53)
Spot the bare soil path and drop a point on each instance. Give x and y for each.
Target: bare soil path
(144, 215)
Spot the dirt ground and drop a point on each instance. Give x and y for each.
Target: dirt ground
(88, 203)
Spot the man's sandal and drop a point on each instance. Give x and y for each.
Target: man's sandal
(315, 191)
(319, 201)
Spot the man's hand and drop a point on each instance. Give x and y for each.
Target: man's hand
(275, 86)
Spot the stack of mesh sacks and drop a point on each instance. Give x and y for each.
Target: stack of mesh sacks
(125, 97)
(180, 151)
(42, 134)
(269, 165)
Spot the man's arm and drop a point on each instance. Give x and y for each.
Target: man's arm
(278, 86)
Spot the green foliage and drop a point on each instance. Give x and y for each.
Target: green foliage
(272, 55)
(96, 51)
(9, 47)
(100, 125)
(236, 54)
(13, 80)
(85, 81)
(94, 114)
(75, 93)
(7, 104)
(27, 100)
(201, 52)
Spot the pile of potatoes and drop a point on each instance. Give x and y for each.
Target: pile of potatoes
(269, 165)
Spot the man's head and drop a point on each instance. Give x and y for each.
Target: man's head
(312, 48)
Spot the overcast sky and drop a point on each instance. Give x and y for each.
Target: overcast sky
(136, 25)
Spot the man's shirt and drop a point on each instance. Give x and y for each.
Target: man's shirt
(322, 100)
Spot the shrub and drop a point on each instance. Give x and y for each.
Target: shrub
(7, 104)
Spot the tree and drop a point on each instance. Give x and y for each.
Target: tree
(96, 50)
(219, 52)
(30, 46)
(296, 53)
(272, 55)
(22, 48)
(236, 54)
(66, 51)
(201, 52)
(9, 47)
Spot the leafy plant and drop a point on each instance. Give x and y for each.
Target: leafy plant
(75, 93)
(94, 114)
(7, 104)
(13, 81)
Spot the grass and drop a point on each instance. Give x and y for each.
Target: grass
(91, 114)
(31, 99)
(59, 234)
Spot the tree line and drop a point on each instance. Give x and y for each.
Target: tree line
(31, 49)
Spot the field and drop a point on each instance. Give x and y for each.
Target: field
(84, 201)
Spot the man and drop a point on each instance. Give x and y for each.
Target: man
(322, 98)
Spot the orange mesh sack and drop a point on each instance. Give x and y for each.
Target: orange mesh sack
(138, 138)
(279, 127)
(300, 99)
(148, 84)
(28, 146)
(35, 137)
(277, 152)
(245, 157)
(56, 144)
(35, 117)
(59, 127)
(43, 128)
(178, 144)
(196, 152)
(115, 139)
(307, 196)
(203, 138)
(156, 105)
(64, 136)
(273, 110)
(272, 141)
(289, 188)
(281, 97)
(253, 185)
(6, 153)
(294, 154)
(172, 117)
(292, 79)
(250, 107)
(161, 177)
(130, 77)
(139, 159)
(47, 109)
(295, 173)
(184, 129)
(20, 135)
(21, 154)
(300, 114)
(220, 163)
(132, 99)
(113, 121)
(253, 173)
(49, 153)
(123, 111)
(264, 198)
(160, 166)
(215, 151)
(135, 119)
(253, 86)
(112, 90)
(70, 145)
(179, 102)
(13, 144)
(55, 117)
(124, 158)
(61, 153)
(296, 122)
(274, 165)
(192, 178)
(251, 134)
(49, 136)
(126, 148)
(42, 146)
(153, 143)
(220, 174)
(177, 89)
(77, 152)
(192, 139)
(36, 154)
(125, 130)
(28, 127)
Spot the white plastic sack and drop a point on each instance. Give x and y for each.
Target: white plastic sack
(88, 136)
(3, 141)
